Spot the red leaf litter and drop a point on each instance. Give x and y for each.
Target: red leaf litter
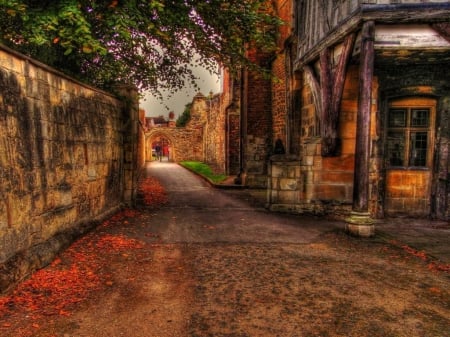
(68, 280)
(432, 265)
(76, 273)
(152, 192)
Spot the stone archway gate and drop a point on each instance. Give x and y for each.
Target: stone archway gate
(185, 144)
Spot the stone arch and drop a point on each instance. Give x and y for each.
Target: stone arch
(168, 140)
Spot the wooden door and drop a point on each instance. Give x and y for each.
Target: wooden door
(409, 148)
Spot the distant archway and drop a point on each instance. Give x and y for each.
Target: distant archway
(161, 141)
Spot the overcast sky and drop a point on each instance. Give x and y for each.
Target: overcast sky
(154, 107)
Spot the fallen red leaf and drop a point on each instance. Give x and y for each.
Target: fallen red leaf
(152, 192)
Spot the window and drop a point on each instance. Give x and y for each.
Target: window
(409, 136)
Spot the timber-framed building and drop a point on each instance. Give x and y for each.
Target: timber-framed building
(366, 113)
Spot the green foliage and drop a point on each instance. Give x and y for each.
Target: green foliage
(151, 44)
(203, 170)
(184, 118)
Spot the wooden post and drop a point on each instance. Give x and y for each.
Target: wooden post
(360, 222)
(328, 94)
(328, 130)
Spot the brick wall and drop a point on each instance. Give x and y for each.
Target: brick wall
(258, 124)
(61, 161)
(279, 95)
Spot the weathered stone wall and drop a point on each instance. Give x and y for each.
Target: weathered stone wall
(231, 103)
(312, 183)
(215, 133)
(279, 103)
(257, 124)
(141, 149)
(61, 161)
(211, 135)
(280, 87)
(185, 144)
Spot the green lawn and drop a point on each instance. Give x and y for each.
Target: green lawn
(204, 170)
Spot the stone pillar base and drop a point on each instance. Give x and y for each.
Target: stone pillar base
(360, 224)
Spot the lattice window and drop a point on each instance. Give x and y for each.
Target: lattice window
(408, 142)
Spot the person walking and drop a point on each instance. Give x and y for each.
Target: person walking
(158, 152)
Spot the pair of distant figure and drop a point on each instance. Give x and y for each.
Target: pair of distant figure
(158, 151)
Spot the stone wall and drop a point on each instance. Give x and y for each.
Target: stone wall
(279, 103)
(311, 183)
(231, 105)
(62, 161)
(212, 134)
(215, 133)
(185, 143)
(282, 70)
(257, 126)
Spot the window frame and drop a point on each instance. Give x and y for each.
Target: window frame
(409, 105)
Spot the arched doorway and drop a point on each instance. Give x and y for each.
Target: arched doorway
(159, 147)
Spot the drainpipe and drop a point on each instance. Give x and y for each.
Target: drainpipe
(243, 122)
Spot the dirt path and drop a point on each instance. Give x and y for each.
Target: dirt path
(168, 272)
(148, 298)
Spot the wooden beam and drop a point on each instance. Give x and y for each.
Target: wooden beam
(341, 71)
(327, 129)
(443, 28)
(332, 85)
(362, 151)
(327, 94)
(315, 88)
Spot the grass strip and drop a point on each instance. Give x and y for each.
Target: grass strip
(203, 170)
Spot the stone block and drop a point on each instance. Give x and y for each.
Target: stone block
(341, 163)
(288, 184)
(277, 171)
(308, 160)
(317, 163)
(333, 177)
(274, 183)
(4, 223)
(331, 192)
(288, 197)
(91, 173)
(292, 172)
(65, 198)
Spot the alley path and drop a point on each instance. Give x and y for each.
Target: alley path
(215, 263)
(193, 206)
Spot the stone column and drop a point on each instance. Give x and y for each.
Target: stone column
(359, 222)
(129, 96)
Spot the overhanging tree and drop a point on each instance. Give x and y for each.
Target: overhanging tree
(185, 117)
(152, 44)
